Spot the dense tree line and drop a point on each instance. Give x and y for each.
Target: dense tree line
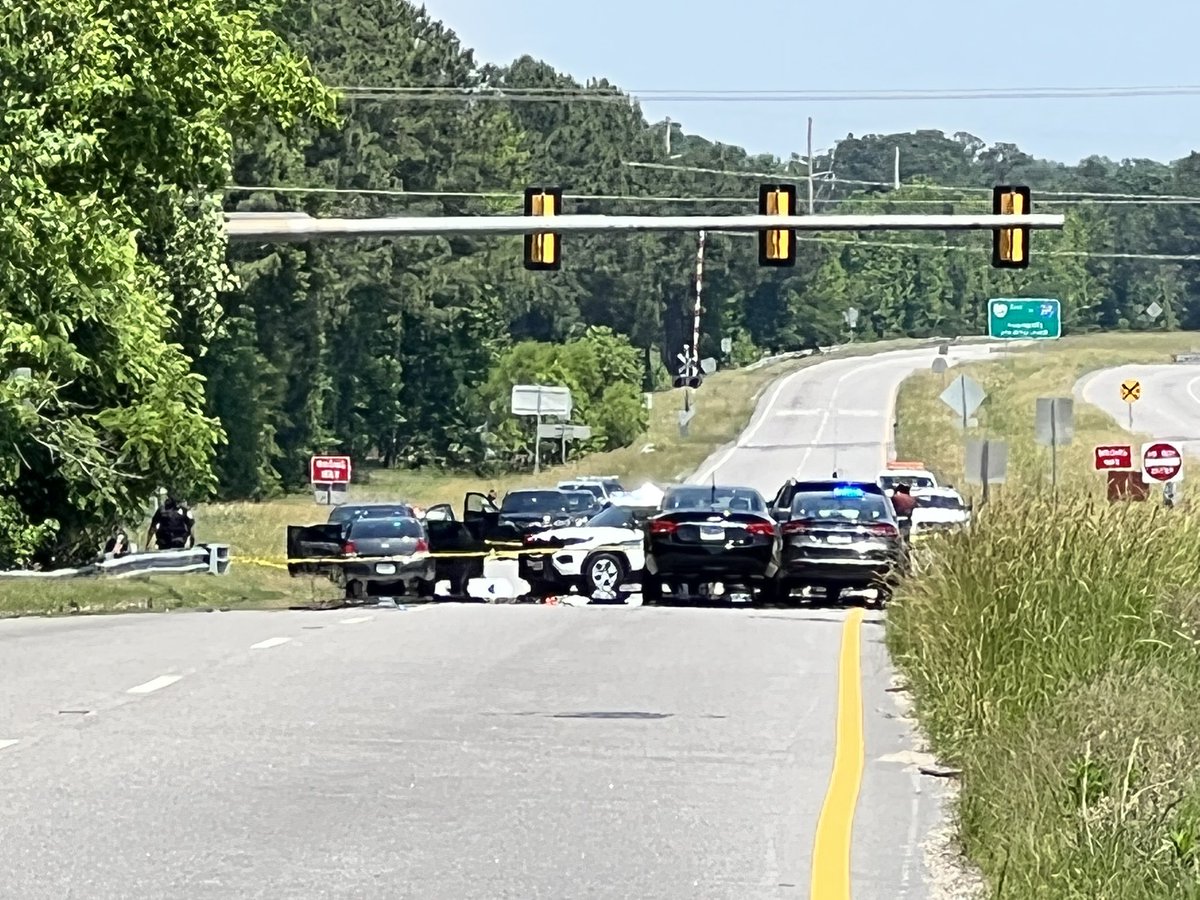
(121, 150)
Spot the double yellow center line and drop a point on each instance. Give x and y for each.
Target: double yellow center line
(831, 848)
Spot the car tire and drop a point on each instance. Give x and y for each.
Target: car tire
(356, 590)
(604, 573)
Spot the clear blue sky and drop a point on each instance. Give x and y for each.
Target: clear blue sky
(871, 45)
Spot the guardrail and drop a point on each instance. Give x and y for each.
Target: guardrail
(1187, 358)
(207, 559)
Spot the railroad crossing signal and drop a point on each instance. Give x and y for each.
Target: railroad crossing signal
(1010, 246)
(1131, 390)
(777, 246)
(543, 249)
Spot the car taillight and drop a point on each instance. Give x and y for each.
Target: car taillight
(348, 549)
(422, 545)
(663, 527)
(764, 529)
(883, 528)
(795, 528)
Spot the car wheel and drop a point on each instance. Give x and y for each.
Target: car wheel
(604, 573)
(356, 590)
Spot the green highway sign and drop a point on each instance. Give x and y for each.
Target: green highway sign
(1024, 319)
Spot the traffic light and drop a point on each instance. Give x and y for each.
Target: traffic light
(1010, 246)
(543, 250)
(777, 246)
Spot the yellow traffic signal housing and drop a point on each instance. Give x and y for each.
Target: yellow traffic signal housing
(777, 246)
(543, 249)
(1010, 246)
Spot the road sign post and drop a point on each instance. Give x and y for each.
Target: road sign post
(1023, 319)
(329, 475)
(541, 400)
(964, 396)
(1131, 393)
(1113, 457)
(1054, 427)
(1162, 462)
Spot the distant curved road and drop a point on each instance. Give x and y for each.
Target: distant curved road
(479, 751)
(1169, 407)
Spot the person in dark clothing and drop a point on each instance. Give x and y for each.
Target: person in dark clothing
(171, 526)
(903, 501)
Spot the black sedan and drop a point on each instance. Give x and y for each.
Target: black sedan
(708, 535)
(841, 537)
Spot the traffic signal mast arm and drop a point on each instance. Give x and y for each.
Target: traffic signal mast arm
(1011, 222)
(301, 227)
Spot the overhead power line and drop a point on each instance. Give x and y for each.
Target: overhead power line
(659, 95)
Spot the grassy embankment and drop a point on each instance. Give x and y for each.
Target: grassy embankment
(255, 531)
(1054, 651)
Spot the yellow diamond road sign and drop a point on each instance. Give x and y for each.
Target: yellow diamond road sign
(1131, 390)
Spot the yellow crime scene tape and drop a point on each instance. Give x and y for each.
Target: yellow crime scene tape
(490, 553)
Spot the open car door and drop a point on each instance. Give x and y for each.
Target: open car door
(322, 541)
(464, 552)
(480, 515)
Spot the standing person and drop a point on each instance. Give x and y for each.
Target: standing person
(903, 501)
(171, 527)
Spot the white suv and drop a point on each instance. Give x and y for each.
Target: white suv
(605, 487)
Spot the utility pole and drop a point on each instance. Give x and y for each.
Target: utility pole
(699, 292)
(896, 171)
(811, 202)
(668, 136)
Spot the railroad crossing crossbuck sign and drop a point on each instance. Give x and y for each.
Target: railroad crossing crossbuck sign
(1131, 390)
(1162, 462)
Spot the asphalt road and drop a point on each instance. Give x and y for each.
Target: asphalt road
(476, 751)
(1169, 407)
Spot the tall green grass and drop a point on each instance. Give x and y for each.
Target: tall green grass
(1053, 651)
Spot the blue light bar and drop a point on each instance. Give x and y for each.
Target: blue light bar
(848, 491)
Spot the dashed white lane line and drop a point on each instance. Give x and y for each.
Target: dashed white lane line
(356, 620)
(269, 643)
(4, 745)
(154, 684)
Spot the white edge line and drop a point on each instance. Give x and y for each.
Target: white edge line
(155, 684)
(5, 744)
(356, 620)
(269, 643)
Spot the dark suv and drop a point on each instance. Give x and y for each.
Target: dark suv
(841, 536)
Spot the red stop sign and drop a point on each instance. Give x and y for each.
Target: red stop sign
(1161, 461)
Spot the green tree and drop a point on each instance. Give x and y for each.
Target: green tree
(112, 248)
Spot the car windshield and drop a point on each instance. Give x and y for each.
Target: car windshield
(853, 506)
(735, 499)
(581, 501)
(534, 502)
(374, 511)
(891, 482)
(595, 490)
(939, 501)
(621, 517)
(386, 528)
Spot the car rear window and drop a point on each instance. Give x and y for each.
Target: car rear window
(382, 511)
(891, 482)
(534, 501)
(720, 498)
(829, 505)
(386, 528)
(939, 501)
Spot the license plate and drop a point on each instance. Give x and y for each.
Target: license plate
(712, 533)
(840, 539)
(385, 568)
(535, 564)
